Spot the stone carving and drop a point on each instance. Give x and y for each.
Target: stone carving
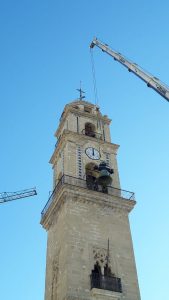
(101, 258)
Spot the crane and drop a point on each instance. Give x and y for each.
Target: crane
(10, 196)
(149, 79)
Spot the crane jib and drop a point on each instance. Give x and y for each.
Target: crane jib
(10, 196)
(149, 79)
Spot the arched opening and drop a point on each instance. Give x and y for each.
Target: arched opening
(91, 176)
(96, 269)
(90, 130)
(105, 271)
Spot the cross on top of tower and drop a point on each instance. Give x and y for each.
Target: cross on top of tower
(81, 93)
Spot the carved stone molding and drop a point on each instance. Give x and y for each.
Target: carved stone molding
(100, 257)
(78, 194)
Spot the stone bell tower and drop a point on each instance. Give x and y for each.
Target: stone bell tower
(89, 250)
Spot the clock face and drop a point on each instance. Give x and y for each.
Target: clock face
(92, 153)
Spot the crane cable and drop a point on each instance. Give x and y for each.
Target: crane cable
(94, 77)
(95, 93)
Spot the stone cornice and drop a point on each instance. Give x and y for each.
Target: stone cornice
(68, 192)
(107, 295)
(79, 138)
(47, 219)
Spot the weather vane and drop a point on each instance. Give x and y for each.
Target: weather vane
(81, 93)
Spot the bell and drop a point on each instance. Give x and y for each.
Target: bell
(104, 178)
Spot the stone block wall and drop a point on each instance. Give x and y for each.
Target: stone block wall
(81, 228)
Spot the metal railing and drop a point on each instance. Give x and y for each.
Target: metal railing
(109, 283)
(78, 182)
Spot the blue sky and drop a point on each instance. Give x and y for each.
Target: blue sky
(44, 54)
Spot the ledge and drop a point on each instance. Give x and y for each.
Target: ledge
(76, 188)
(100, 294)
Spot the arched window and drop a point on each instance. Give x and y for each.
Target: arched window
(90, 130)
(96, 269)
(106, 271)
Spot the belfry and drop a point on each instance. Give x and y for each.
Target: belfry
(89, 250)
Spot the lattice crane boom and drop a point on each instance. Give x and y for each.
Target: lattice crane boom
(148, 78)
(10, 196)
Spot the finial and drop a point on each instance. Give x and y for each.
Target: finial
(81, 93)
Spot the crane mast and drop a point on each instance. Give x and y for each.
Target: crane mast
(149, 79)
(10, 196)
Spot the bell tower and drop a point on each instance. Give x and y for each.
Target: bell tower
(89, 249)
